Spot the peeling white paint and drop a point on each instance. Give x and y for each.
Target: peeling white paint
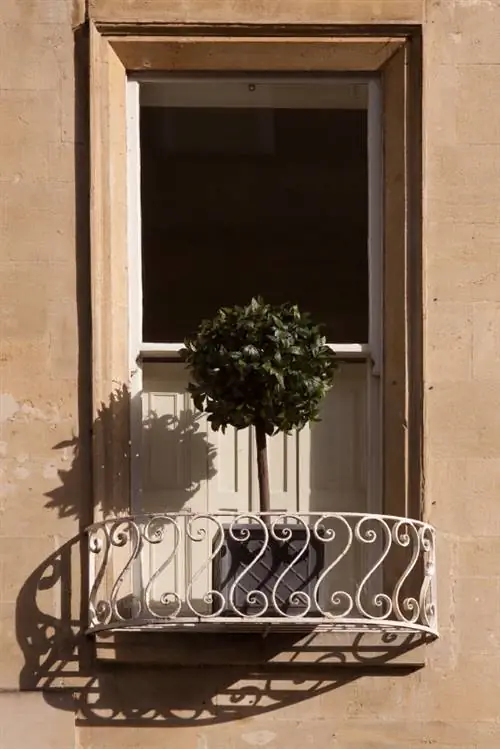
(26, 411)
(8, 407)
(30, 412)
(258, 738)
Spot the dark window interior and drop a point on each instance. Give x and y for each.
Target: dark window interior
(244, 202)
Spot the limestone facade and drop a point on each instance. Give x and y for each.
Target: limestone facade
(54, 691)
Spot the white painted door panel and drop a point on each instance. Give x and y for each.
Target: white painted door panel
(332, 452)
(333, 476)
(188, 467)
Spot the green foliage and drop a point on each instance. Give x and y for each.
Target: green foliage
(259, 365)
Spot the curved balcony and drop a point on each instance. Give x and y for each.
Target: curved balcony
(234, 571)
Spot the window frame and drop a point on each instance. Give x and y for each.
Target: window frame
(141, 351)
(397, 59)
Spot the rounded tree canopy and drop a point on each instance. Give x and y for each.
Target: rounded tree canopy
(260, 365)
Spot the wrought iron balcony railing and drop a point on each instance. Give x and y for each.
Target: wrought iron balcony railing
(324, 571)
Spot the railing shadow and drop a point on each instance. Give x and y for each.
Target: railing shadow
(168, 433)
(59, 660)
(197, 697)
(52, 644)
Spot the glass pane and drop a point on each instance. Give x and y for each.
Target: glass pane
(244, 202)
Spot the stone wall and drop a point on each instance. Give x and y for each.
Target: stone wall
(51, 692)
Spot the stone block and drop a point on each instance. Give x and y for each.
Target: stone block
(469, 486)
(19, 559)
(63, 339)
(463, 32)
(468, 694)
(28, 116)
(29, 162)
(462, 262)
(30, 721)
(38, 224)
(11, 656)
(334, 732)
(280, 11)
(462, 184)
(486, 341)
(287, 697)
(38, 67)
(38, 11)
(462, 420)
(477, 620)
(479, 558)
(62, 162)
(477, 94)
(448, 332)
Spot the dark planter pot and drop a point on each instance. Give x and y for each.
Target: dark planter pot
(235, 559)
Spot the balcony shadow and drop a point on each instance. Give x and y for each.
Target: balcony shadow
(210, 679)
(163, 679)
(53, 645)
(195, 697)
(59, 660)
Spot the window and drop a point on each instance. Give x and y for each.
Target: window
(254, 187)
(257, 187)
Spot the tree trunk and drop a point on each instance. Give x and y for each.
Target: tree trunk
(263, 470)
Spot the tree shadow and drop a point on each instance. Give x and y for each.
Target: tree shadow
(165, 440)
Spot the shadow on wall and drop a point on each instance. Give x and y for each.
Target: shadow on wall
(60, 661)
(166, 435)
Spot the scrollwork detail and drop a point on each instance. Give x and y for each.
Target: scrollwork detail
(121, 549)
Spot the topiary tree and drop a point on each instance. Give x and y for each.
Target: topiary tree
(263, 366)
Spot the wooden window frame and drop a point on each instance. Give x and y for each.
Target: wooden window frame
(396, 59)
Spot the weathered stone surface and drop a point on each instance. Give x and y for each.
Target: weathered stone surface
(280, 11)
(31, 721)
(45, 405)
